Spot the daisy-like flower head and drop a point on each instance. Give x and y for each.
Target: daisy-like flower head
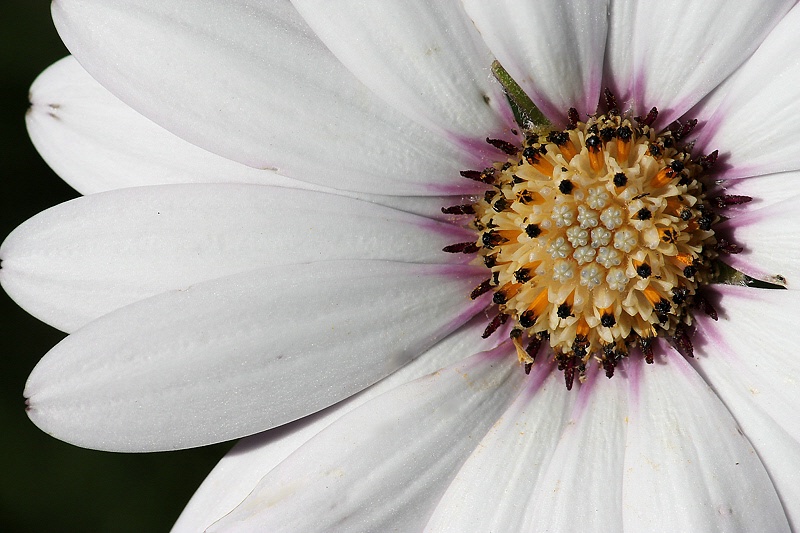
(414, 238)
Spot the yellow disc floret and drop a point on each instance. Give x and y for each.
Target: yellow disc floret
(597, 237)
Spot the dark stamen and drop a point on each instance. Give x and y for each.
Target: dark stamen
(648, 119)
(620, 179)
(465, 209)
(461, 248)
(503, 146)
(559, 138)
(527, 319)
(707, 161)
(705, 306)
(682, 341)
(593, 143)
(569, 372)
(727, 247)
(483, 288)
(727, 200)
(496, 322)
(573, 117)
(533, 230)
(611, 102)
(564, 310)
(523, 275)
(490, 239)
(646, 345)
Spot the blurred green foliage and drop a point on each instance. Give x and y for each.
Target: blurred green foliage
(47, 485)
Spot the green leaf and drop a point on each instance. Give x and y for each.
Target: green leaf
(527, 115)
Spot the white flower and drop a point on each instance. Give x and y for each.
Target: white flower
(221, 300)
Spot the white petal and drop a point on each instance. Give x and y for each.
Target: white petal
(618, 65)
(688, 467)
(238, 473)
(751, 364)
(253, 84)
(491, 491)
(752, 348)
(80, 260)
(97, 143)
(764, 190)
(425, 58)
(588, 461)
(682, 49)
(385, 465)
(752, 127)
(553, 49)
(769, 237)
(234, 356)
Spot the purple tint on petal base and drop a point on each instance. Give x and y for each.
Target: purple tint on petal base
(540, 371)
(464, 188)
(500, 353)
(584, 398)
(449, 229)
(707, 333)
(632, 371)
(705, 130)
(740, 261)
(477, 305)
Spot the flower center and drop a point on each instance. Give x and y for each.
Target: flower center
(597, 238)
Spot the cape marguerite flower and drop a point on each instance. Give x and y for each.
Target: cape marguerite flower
(283, 267)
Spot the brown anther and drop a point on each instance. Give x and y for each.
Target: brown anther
(646, 346)
(727, 200)
(705, 306)
(707, 161)
(465, 209)
(679, 131)
(610, 101)
(503, 146)
(496, 322)
(648, 119)
(569, 371)
(473, 175)
(682, 341)
(725, 246)
(481, 289)
(573, 118)
(461, 248)
(533, 346)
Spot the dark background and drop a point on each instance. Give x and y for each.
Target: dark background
(47, 485)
